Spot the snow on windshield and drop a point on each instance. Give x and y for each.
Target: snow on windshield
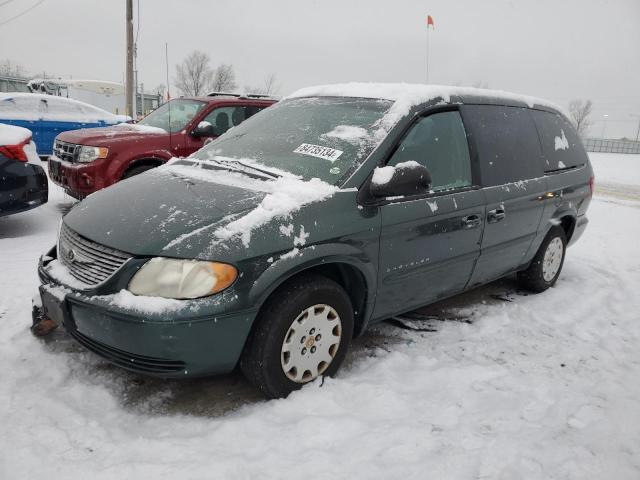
(325, 138)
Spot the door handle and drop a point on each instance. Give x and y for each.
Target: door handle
(471, 221)
(495, 215)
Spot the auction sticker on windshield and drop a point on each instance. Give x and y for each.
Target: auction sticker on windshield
(318, 151)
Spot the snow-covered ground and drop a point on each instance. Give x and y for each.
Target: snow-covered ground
(533, 387)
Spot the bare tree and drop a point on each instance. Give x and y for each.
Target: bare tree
(12, 69)
(194, 75)
(224, 79)
(580, 110)
(270, 86)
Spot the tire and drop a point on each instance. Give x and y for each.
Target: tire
(131, 172)
(544, 272)
(277, 354)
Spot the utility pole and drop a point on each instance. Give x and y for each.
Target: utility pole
(129, 84)
(637, 131)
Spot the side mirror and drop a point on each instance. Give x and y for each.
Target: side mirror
(204, 129)
(407, 178)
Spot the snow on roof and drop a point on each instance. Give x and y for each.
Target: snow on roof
(11, 135)
(62, 108)
(407, 95)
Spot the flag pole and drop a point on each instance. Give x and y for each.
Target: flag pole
(427, 53)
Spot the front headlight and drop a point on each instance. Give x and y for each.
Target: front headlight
(181, 279)
(89, 154)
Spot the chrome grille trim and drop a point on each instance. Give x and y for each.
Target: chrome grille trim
(66, 151)
(89, 262)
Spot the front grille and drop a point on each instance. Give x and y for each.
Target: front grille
(66, 151)
(130, 361)
(89, 262)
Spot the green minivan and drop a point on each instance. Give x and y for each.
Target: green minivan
(338, 207)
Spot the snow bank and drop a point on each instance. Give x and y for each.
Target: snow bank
(616, 168)
(10, 135)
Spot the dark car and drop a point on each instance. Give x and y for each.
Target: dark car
(88, 160)
(23, 183)
(338, 207)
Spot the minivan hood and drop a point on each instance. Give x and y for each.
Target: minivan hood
(105, 136)
(144, 215)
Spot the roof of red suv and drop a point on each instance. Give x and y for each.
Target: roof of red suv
(219, 98)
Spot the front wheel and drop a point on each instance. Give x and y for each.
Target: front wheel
(547, 264)
(303, 332)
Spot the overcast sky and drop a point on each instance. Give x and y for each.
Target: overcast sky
(549, 48)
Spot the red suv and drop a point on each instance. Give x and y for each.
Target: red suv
(88, 160)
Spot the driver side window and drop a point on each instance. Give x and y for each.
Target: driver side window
(438, 142)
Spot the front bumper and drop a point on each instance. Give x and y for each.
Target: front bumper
(78, 179)
(195, 340)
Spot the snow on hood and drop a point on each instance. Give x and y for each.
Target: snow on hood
(184, 210)
(284, 196)
(408, 95)
(136, 127)
(11, 135)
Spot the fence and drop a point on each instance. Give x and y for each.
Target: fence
(13, 84)
(611, 146)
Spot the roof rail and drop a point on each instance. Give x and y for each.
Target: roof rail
(239, 95)
(222, 94)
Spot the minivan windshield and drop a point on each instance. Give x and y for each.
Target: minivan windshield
(174, 115)
(317, 137)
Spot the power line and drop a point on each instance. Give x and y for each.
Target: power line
(4, 3)
(21, 14)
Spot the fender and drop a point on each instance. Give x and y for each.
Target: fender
(282, 269)
(116, 169)
(564, 209)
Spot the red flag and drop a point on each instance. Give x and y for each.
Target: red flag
(430, 22)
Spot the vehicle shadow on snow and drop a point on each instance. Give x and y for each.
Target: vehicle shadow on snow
(216, 396)
(30, 222)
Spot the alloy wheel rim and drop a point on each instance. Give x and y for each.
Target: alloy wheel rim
(552, 259)
(311, 343)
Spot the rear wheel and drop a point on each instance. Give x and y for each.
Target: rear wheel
(547, 264)
(303, 332)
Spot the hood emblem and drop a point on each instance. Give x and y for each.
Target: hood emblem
(75, 257)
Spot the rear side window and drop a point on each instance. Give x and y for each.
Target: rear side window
(561, 145)
(507, 143)
(438, 142)
(224, 118)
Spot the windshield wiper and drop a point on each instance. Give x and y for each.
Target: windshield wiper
(245, 165)
(252, 167)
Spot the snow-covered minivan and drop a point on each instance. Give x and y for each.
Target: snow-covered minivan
(334, 209)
